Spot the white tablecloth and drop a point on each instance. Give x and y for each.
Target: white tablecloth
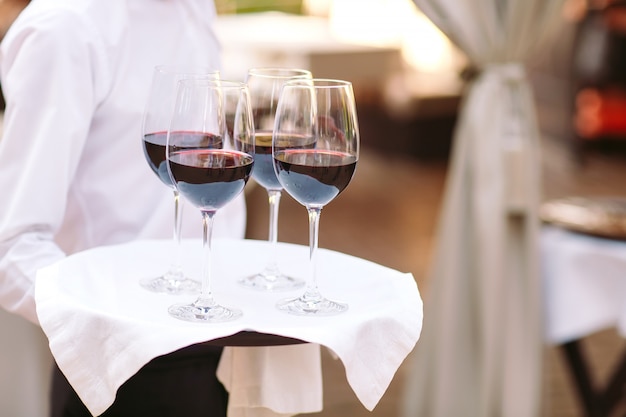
(584, 282)
(103, 327)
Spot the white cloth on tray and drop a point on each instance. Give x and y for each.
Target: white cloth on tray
(103, 327)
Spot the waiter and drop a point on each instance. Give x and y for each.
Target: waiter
(76, 76)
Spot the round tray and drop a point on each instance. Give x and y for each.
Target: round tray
(249, 338)
(600, 216)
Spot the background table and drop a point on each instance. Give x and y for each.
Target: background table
(585, 292)
(103, 327)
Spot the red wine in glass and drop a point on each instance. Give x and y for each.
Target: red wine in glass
(155, 123)
(209, 157)
(263, 172)
(210, 178)
(154, 147)
(265, 85)
(310, 182)
(315, 147)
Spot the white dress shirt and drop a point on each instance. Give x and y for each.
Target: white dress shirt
(76, 75)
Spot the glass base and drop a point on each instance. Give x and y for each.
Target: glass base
(204, 311)
(171, 285)
(271, 281)
(307, 305)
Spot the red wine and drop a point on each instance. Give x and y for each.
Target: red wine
(154, 145)
(263, 171)
(314, 177)
(154, 150)
(210, 178)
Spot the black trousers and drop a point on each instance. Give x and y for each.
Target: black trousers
(182, 383)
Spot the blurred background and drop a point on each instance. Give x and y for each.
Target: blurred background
(408, 80)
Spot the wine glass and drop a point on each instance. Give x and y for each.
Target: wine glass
(156, 119)
(316, 148)
(210, 154)
(265, 85)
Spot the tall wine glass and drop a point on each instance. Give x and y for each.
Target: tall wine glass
(265, 85)
(316, 149)
(210, 154)
(156, 119)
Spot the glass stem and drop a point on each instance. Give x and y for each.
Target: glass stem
(175, 270)
(206, 296)
(274, 200)
(312, 292)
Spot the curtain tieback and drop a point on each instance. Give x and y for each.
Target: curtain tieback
(511, 72)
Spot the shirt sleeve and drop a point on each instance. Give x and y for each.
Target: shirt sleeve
(47, 69)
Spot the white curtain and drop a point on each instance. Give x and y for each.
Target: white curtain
(480, 353)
